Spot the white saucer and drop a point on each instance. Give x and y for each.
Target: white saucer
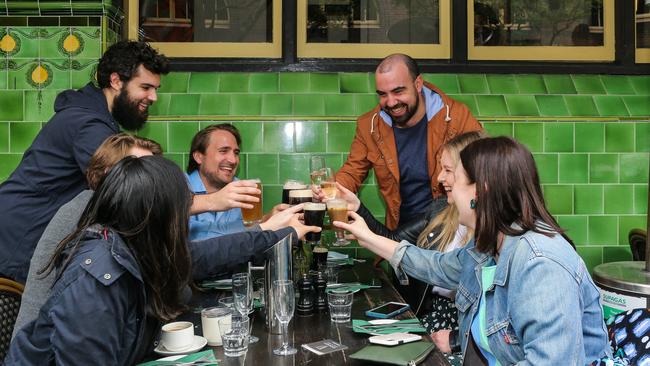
(199, 342)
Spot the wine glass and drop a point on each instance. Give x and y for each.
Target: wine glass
(284, 302)
(242, 297)
(328, 184)
(317, 168)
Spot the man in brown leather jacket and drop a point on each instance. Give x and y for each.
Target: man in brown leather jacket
(401, 138)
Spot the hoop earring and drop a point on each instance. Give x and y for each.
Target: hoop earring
(472, 203)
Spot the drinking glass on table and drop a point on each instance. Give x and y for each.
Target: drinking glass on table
(242, 295)
(234, 335)
(253, 216)
(284, 302)
(337, 209)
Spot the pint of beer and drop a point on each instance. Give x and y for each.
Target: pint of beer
(337, 209)
(299, 196)
(289, 186)
(314, 215)
(253, 216)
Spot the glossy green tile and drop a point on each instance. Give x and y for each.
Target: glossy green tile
(619, 199)
(17, 79)
(588, 199)
(592, 256)
(502, 84)
(559, 199)
(161, 106)
(8, 163)
(340, 136)
(204, 82)
(638, 106)
(4, 137)
(184, 105)
(156, 131)
(530, 84)
(279, 136)
(60, 78)
(616, 254)
(234, 82)
(602, 230)
(294, 166)
(4, 82)
(26, 42)
(242, 170)
(339, 105)
(39, 105)
(371, 198)
(448, 83)
(21, 135)
(265, 167)
(492, 106)
(178, 158)
(473, 84)
(619, 137)
(310, 136)
(214, 104)
(581, 105)
(277, 105)
(559, 84)
(321, 82)
(627, 223)
(308, 105)
(79, 78)
(12, 105)
(551, 106)
(608, 105)
(603, 168)
(498, 128)
(642, 136)
(588, 84)
(558, 137)
(174, 82)
(641, 84)
(356, 82)
(245, 104)
(590, 137)
(576, 228)
(333, 161)
(271, 196)
(294, 82)
(574, 168)
(467, 99)
(634, 168)
(641, 199)
(364, 103)
(547, 166)
(530, 134)
(617, 84)
(522, 105)
(181, 135)
(264, 82)
(252, 136)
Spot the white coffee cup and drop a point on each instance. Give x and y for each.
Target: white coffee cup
(177, 336)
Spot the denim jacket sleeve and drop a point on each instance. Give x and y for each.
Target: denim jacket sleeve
(430, 266)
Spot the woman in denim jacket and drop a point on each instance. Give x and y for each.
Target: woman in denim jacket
(523, 294)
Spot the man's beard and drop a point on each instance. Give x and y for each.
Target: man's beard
(127, 113)
(212, 178)
(402, 120)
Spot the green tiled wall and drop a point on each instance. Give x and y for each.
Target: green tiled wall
(590, 135)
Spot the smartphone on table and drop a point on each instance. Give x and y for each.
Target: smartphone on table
(387, 310)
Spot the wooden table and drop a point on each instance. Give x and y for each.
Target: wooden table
(312, 328)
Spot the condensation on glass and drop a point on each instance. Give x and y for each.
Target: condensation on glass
(643, 24)
(373, 21)
(538, 23)
(206, 20)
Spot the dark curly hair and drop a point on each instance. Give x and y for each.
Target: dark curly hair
(125, 57)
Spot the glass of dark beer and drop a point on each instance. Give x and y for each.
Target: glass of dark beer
(298, 196)
(337, 209)
(290, 185)
(314, 213)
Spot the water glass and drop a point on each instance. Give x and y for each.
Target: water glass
(242, 294)
(284, 301)
(234, 335)
(340, 304)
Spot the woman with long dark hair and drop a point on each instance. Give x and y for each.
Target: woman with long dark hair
(523, 294)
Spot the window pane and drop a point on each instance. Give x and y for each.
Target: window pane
(206, 20)
(643, 24)
(538, 23)
(373, 21)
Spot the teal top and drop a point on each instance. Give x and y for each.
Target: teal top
(479, 323)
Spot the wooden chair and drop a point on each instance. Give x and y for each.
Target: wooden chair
(10, 294)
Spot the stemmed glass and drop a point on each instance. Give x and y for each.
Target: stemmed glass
(284, 302)
(242, 297)
(317, 169)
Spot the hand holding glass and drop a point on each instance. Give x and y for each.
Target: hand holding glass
(337, 209)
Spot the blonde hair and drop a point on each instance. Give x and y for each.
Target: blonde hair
(447, 219)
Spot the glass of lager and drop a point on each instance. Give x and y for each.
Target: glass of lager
(253, 216)
(337, 209)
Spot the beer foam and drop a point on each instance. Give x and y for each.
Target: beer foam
(319, 249)
(301, 193)
(311, 206)
(294, 185)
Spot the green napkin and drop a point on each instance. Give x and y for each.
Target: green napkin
(401, 326)
(405, 354)
(202, 356)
